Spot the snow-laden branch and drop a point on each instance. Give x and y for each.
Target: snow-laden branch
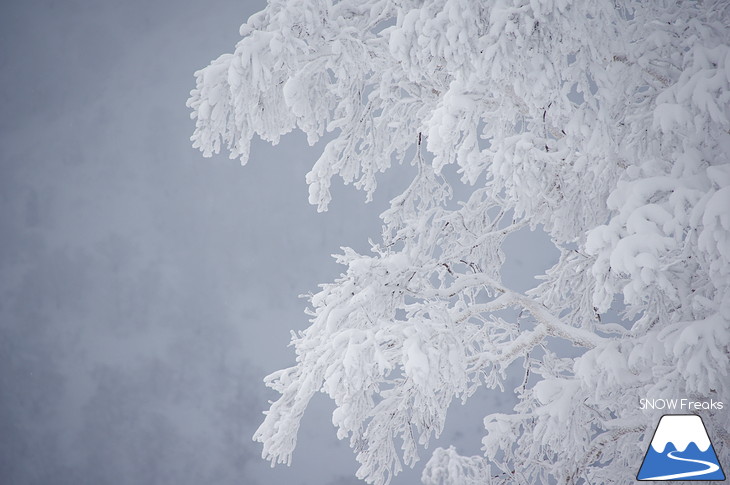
(549, 322)
(606, 123)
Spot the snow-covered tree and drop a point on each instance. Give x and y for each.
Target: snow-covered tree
(607, 123)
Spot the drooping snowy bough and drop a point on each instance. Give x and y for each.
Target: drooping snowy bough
(605, 122)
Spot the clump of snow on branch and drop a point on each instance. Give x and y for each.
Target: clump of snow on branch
(605, 122)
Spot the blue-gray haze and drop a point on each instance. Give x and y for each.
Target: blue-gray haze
(145, 291)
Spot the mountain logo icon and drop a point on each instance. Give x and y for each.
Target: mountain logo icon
(680, 450)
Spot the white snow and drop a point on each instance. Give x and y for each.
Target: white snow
(630, 183)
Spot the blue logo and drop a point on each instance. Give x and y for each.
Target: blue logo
(680, 450)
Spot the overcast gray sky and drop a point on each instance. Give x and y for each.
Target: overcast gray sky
(145, 291)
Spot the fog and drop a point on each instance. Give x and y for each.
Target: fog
(145, 291)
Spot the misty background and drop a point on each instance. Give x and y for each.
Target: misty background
(145, 291)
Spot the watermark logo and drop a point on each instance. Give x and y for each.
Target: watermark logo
(680, 450)
(680, 404)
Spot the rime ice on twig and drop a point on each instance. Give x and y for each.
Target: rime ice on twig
(606, 122)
